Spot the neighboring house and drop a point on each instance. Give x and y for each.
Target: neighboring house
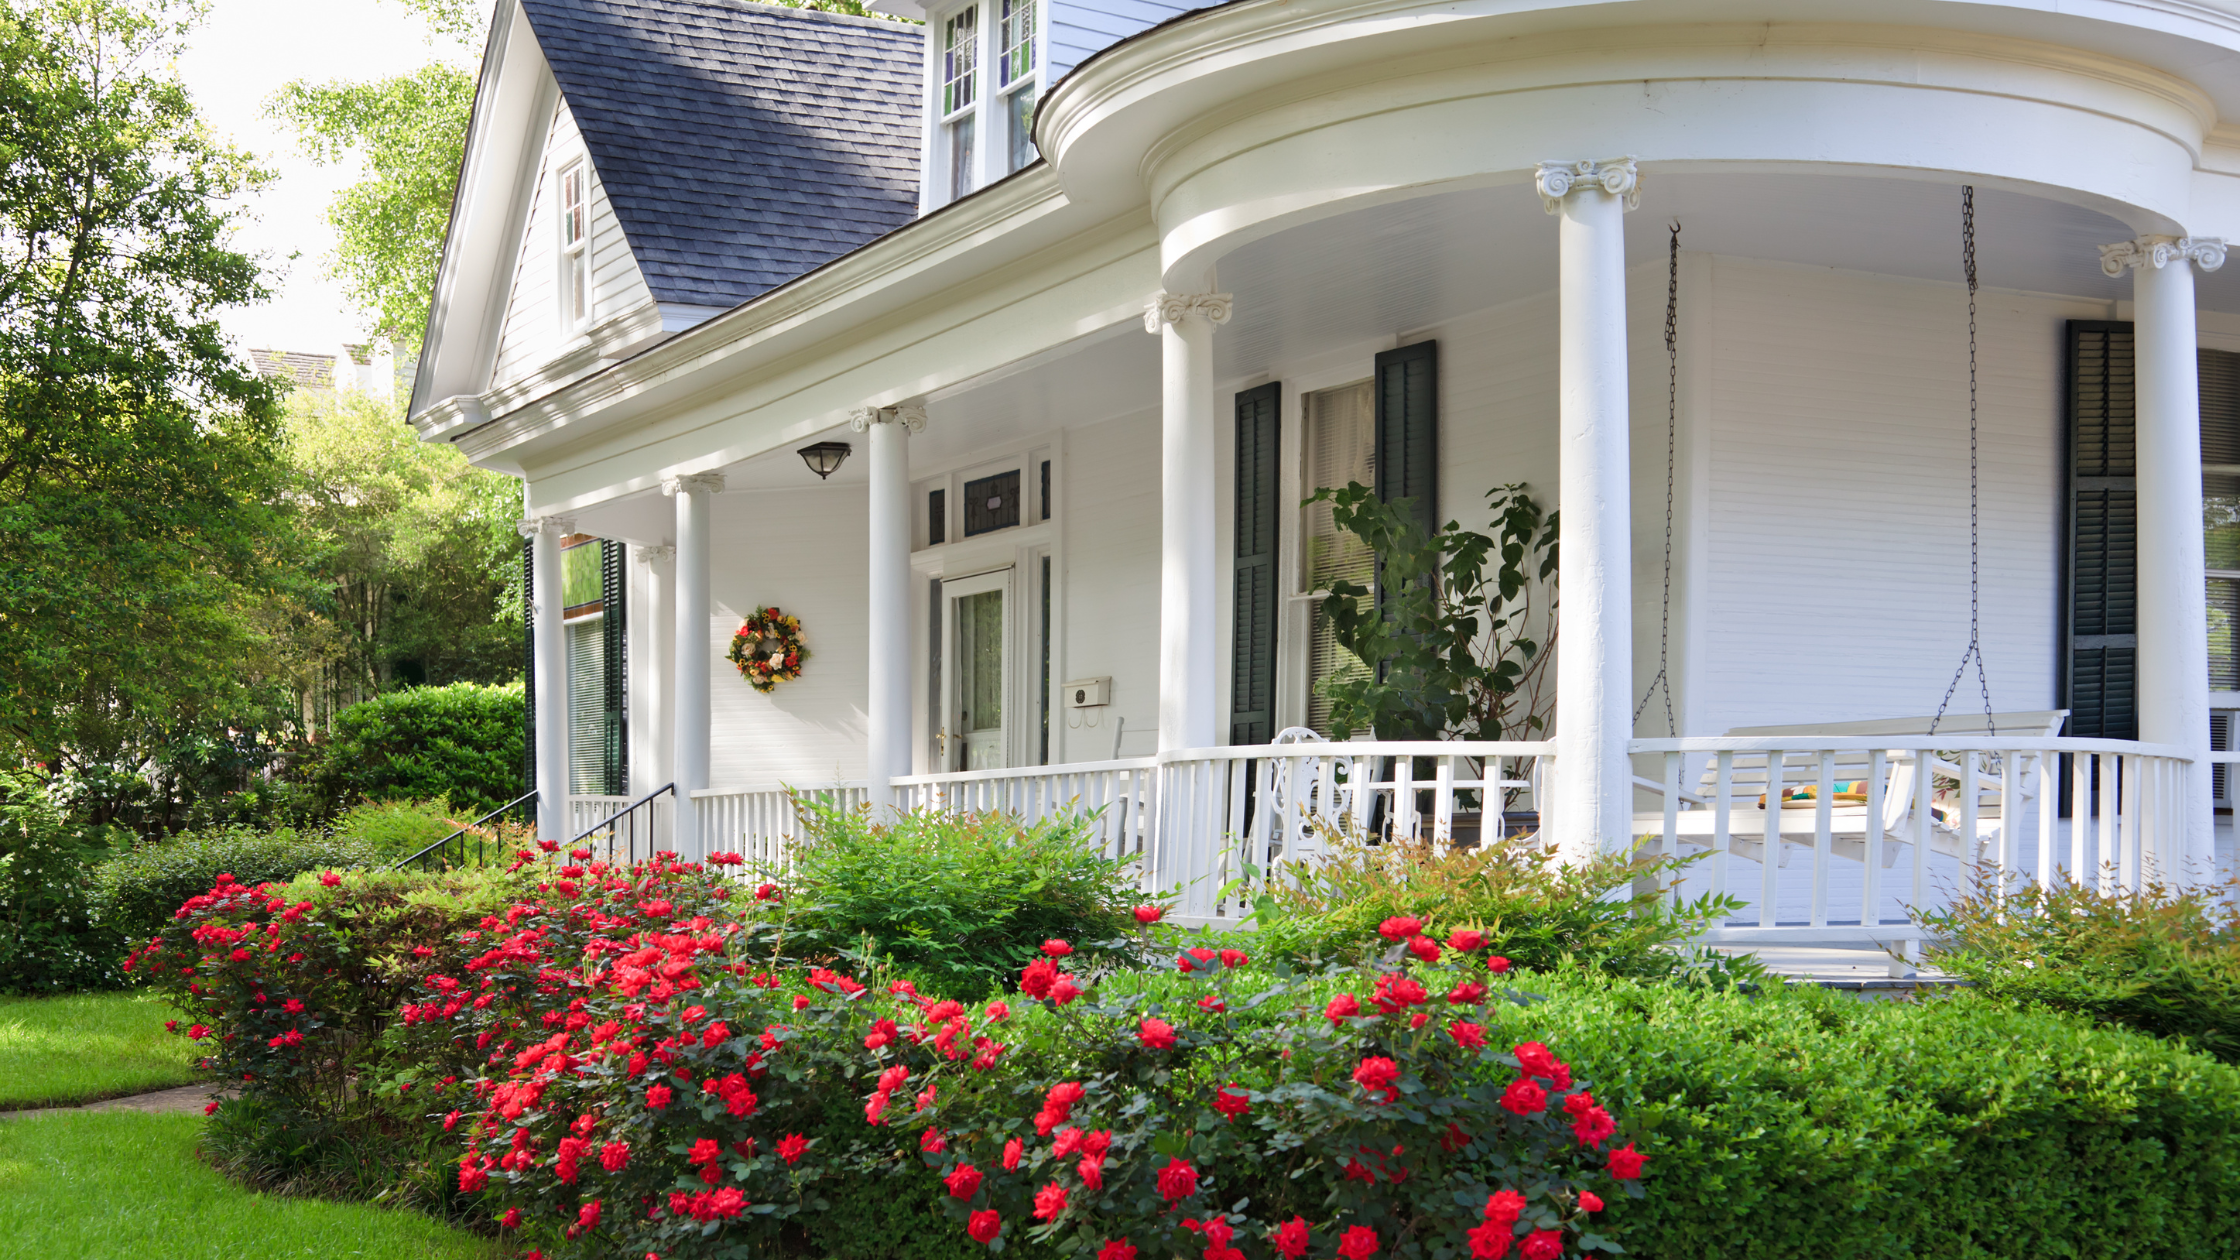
(378, 369)
(1420, 245)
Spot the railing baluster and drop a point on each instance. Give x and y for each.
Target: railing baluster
(1823, 837)
(1769, 865)
(1924, 821)
(1720, 824)
(1877, 823)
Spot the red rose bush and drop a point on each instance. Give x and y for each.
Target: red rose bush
(625, 1061)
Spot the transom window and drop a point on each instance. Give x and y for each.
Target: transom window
(575, 245)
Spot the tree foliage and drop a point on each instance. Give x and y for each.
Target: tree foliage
(139, 461)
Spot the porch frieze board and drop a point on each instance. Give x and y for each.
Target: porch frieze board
(2205, 252)
(911, 416)
(553, 525)
(1172, 308)
(1618, 177)
(710, 483)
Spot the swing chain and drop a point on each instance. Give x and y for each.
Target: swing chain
(1671, 449)
(1974, 651)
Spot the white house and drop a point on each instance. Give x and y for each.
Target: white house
(1097, 291)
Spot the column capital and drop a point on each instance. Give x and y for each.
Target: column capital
(1617, 176)
(1172, 308)
(911, 416)
(2205, 252)
(556, 526)
(706, 483)
(650, 556)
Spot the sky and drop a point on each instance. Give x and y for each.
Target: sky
(239, 57)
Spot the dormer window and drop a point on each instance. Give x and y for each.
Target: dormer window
(960, 98)
(973, 137)
(575, 246)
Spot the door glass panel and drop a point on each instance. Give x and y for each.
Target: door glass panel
(980, 678)
(1340, 449)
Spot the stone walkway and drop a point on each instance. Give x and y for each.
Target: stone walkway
(183, 1098)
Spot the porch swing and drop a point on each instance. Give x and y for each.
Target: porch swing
(1876, 802)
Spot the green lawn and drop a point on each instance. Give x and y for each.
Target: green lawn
(60, 1050)
(103, 1184)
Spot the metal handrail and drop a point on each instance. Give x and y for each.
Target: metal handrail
(509, 806)
(609, 824)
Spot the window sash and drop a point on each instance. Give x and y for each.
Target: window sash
(960, 56)
(1015, 33)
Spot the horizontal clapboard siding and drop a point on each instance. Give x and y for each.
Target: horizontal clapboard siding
(1837, 563)
(532, 335)
(1079, 30)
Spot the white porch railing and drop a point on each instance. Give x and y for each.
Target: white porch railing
(760, 822)
(1853, 807)
(648, 830)
(1122, 790)
(586, 812)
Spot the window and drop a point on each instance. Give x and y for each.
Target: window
(1016, 73)
(960, 57)
(575, 246)
(991, 503)
(592, 596)
(937, 517)
(2220, 511)
(1339, 448)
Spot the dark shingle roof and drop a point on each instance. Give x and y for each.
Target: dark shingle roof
(742, 144)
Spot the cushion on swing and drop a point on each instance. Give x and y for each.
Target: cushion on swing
(1847, 792)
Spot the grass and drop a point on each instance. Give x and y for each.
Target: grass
(80, 1183)
(57, 1051)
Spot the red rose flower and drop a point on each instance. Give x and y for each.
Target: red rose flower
(1535, 1059)
(983, 1226)
(1146, 915)
(1489, 1241)
(1466, 940)
(1231, 1105)
(933, 1142)
(329, 879)
(1626, 1162)
(1424, 947)
(1037, 977)
(511, 1220)
(1342, 1007)
(1116, 1249)
(1589, 1201)
(587, 1216)
(769, 892)
(1467, 993)
(1524, 1098)
(1177, 1181)
(1400, 927)
(1503, 1207)
(1156, 1034)
(614, 1156)
(999, 1011)
(658, 1097)
(1543, 1244)
(964, 1182)
(1376, 1076)
(1497, 964)
(1012, 1150)
(1467, 1035)
(1359, 1243)
(1056, 948)
(1290, 1238)
(705, 1151)
(1233, 958)
(1049, 1202)
(792, 1147)
(1212, 1003)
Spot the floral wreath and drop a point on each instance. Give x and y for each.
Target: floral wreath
(768, 649)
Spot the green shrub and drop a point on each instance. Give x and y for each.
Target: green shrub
(2164, 961)
(397, 829)
(135, 894)
(50, 941)
(461, 743)
(963, 901)
(1533, 908)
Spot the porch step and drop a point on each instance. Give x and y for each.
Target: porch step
(1865, 972)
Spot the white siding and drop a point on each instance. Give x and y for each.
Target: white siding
(1837, 567)
(803, 551)
(532, 335)
(1110, 499)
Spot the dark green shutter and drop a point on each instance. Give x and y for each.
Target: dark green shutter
(528, 665)
(1252, 657)
(1408, 429)
(613, 590)
(2099, 669)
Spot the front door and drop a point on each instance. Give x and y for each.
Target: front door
(978, 686)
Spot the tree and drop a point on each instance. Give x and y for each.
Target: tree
(141, 528)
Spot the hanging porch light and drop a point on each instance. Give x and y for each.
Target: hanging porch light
(824, 458)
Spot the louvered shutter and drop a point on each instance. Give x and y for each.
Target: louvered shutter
(2099, 672)
(613, 594)
(1252, 656)
(1407, 457)
(528, 667)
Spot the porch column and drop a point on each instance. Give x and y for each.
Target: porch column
(888, 567)
(2173, 654)
(1188, 707)
(1593, 798)
(549, 658)
(689, 748)
(656, 680)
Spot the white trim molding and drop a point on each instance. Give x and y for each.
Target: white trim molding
(650, 556)
(2205, 252)
(556, 526)
(1172, 308)
(710, 483)
(911, 416)
(1619, 177)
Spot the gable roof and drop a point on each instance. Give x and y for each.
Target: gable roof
(741, 143)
